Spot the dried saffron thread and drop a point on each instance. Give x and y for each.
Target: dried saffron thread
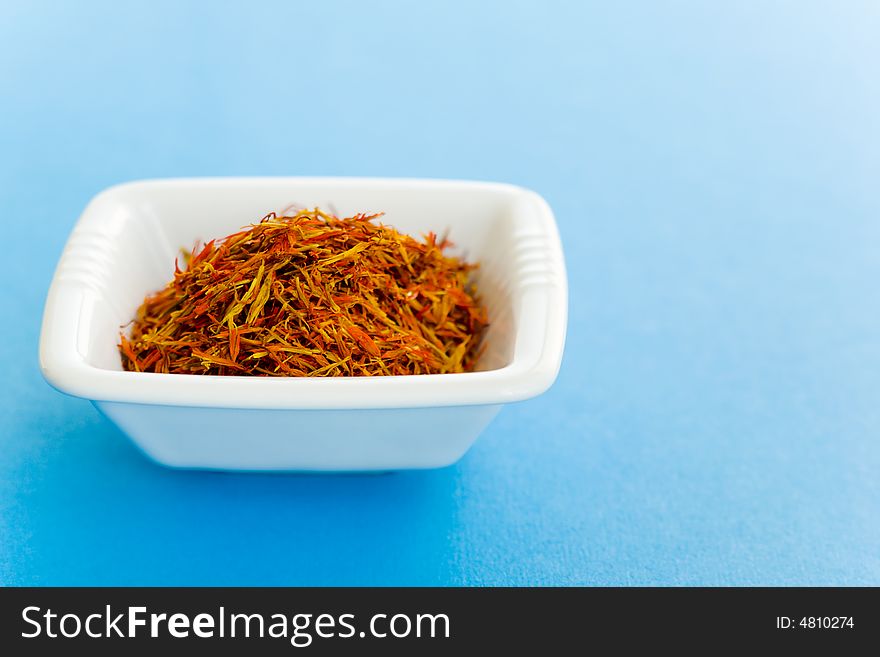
(311, 294)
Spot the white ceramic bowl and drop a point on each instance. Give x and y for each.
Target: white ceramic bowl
(124, 247)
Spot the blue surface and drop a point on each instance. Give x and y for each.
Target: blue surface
(715, 171)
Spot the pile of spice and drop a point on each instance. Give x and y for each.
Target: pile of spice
(311, 295)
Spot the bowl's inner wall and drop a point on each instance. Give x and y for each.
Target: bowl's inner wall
(147, 226)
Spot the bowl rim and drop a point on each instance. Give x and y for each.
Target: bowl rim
(539, 343)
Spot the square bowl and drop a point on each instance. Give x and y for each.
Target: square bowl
(124, 246)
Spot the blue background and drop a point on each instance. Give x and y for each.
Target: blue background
(715, 171)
